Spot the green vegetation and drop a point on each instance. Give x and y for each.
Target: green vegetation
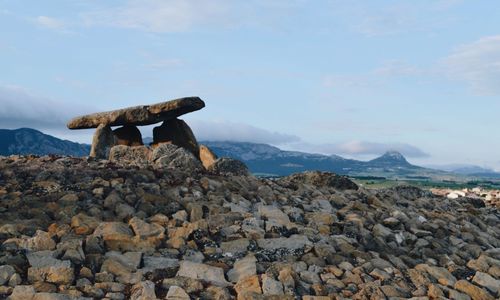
(381, 182)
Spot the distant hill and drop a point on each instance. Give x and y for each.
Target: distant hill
(261, 159)
(266, 159)
(462, 169)
(391, 159)
(31, 141)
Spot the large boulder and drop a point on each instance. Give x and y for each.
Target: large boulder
(229, 166)
(137, 155)
(169, 156)
(128, 135)
(176, 132)
(102, 142)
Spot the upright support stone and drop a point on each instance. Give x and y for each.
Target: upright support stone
(207, 156)
(102, 142)
(176, 132)
(128, 135)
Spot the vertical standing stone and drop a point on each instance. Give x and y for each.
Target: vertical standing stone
(102, 142)
(207, 157)
(176, 132)
(128, 135)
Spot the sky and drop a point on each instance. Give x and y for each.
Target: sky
(348, 77)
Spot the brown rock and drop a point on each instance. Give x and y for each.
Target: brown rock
(442, 275)
(45, 267)
(176, 132)
(434, 292)
(83, 224)
(128, 135)
(102, 142)
(248, 286)
(207, 157)
(475, 292)
(139, 115)
(116, 235)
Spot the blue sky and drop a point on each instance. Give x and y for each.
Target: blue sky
(354, 78)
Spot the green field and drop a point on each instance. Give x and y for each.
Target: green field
(381, 182)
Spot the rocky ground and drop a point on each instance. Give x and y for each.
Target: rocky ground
(74, 228)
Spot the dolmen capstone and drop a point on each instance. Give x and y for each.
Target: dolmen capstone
(174, 144)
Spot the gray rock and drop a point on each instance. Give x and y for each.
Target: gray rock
(177, 293)
(136, 155)
(23, 292)
(228, 166)
(177, 132)
(143, 291)
(488, 282)
(15, 280)
(274, 213)
(102, 142)
(442, 275)
(169, 156)
(235, 247)
(318, 179)
(271, 286)
(214, 275)
(152, 263)
(294, 242)
(381, 230)
(6, 272)
(46, 268)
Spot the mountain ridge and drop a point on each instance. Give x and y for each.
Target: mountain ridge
(261, 158)
(32, 141)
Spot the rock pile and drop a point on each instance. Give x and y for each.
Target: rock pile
(125, 143)
(73, 228)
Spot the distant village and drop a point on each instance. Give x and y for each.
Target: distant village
(490, 197)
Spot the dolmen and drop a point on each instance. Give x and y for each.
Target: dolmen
(174, 144)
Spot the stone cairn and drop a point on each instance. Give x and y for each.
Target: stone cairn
(125, 142)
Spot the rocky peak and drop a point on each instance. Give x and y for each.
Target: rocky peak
(392, 158)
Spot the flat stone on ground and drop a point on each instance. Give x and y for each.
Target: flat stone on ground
(204, 272)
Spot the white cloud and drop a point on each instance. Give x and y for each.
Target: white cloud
(231, 131)
(20, 108)
(477, 64)
(360, 148)
(376, 19)
(165, 63)
(388, 70)
(397, 68)
(160, 15)
(50, 23)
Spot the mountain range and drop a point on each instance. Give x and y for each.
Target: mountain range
(31, 141)
(266, 159)
(261, 159)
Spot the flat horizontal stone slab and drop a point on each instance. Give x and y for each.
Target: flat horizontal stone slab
(139, 115)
